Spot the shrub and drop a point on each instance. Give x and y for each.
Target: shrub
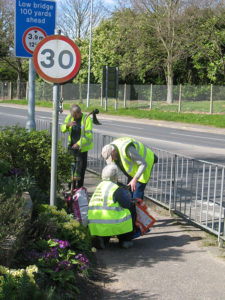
(12, 218)
(18, 284)
(58, 262)
(31, 152)
(54, 222)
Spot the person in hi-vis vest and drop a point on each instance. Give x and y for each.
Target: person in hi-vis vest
(111, 211)
(80, 136)
(134, 159)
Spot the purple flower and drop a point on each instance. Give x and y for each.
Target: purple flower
(15, 171)
(78, 256)
(56, 270)
(63, 244)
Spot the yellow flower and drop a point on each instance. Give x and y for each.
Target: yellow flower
(76, 223)
(3, 270)
(93, 249)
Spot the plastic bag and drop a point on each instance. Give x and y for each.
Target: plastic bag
(79, 204)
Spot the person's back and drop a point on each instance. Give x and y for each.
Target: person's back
(106, 217)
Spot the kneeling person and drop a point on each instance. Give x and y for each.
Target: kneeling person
(111, 211)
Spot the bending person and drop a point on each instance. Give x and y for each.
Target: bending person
(111, 211)
(134, 159)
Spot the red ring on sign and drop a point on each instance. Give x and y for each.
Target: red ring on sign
(52, 79)
(26, 32)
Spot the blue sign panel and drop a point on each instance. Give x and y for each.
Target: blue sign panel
(35, 19)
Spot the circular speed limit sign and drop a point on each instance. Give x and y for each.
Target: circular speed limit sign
(57, 59)
(31, 37)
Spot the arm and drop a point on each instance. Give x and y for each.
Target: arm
(123, 197)
(87, 134)
(142, 165)
(66, 125)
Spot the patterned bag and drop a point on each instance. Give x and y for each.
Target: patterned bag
(79, 204)
(143, 220)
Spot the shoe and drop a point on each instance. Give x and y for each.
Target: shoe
(127, 244)
(101, 243)
(98, 242)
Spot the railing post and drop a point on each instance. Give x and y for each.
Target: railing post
(220, 241)
(174, 181)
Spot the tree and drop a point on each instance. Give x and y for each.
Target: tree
(7, 57)
(165, 16)
(208, 51)
(74, 17)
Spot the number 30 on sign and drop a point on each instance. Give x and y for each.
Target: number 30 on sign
(57, 59)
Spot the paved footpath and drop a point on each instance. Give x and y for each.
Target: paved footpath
(169, 263)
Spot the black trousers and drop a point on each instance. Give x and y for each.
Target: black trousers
(83, 165)
(84, 156)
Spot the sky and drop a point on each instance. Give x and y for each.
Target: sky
(110, 2)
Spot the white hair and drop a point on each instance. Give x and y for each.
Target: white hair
(110, 172)
(75, 107)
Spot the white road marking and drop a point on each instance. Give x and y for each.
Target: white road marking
(13, 115)
(197, 136)
(123, 126)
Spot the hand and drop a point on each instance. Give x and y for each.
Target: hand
(133, 184)
(75, 146)
(71, 124)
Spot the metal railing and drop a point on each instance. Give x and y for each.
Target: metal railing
(192, 188)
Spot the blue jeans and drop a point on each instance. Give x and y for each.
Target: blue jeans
(139, 192)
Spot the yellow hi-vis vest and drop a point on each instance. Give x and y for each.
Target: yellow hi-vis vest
(86, 139)
(106, 217)
(129, 166)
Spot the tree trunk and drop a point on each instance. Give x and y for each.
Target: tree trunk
(19, 77)
(18, 86)
(169, 83)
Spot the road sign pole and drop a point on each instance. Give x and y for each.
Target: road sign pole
(89, 60)
(30, 125)
(55, 118)
(56, 59)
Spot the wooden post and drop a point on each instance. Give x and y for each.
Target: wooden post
(211, 100)
(125, 95)
(150, 105)
(101, 94)
(2, 90)
(180, 97)
(10, 95)
(27, 90)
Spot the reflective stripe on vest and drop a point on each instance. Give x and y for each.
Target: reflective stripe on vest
(129, 166)
(110, 221)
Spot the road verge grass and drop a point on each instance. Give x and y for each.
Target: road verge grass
(190, 118)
